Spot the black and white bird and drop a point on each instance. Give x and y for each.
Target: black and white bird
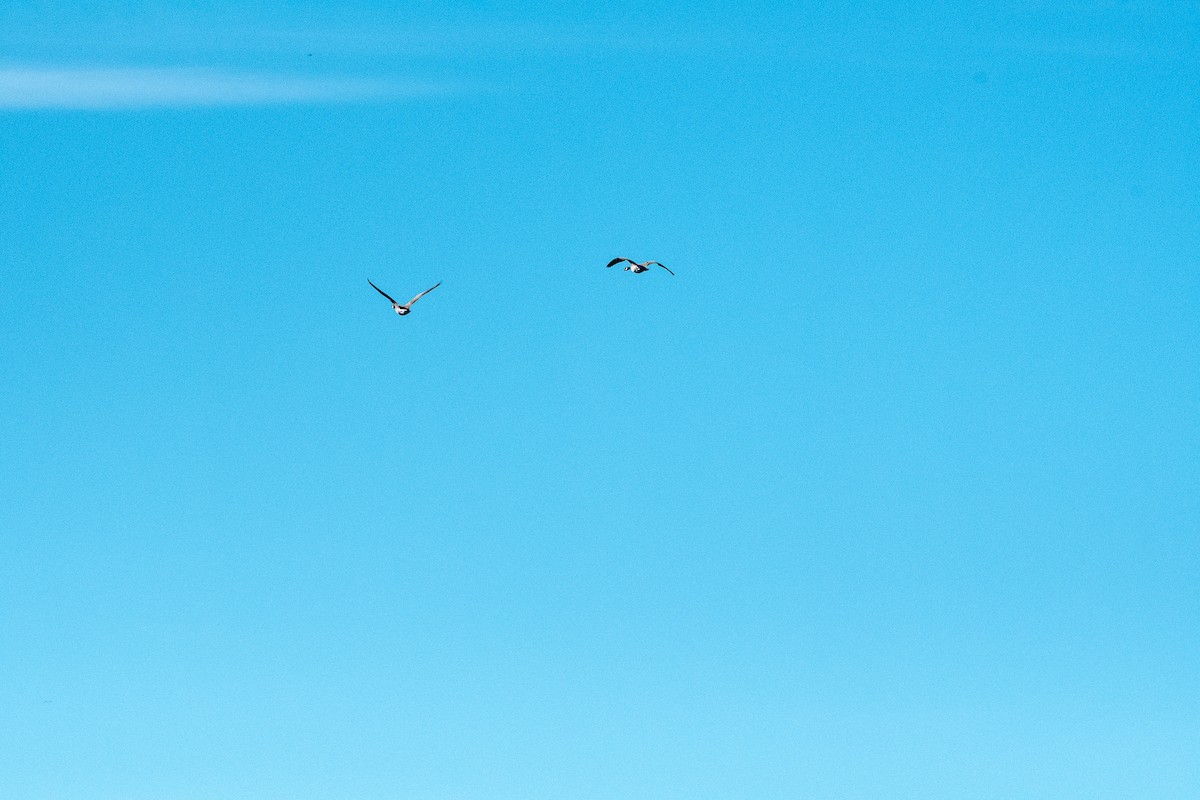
(407, 307)
(635, 267)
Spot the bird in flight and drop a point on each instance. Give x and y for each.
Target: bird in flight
(635, 267)
(407, 307)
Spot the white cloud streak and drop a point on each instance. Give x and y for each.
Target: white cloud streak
(25, 87)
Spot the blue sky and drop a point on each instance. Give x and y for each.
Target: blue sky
(889, 493)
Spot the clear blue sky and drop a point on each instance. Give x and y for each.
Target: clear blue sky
(891, 493)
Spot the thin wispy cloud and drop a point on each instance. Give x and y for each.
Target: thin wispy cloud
(56, 87)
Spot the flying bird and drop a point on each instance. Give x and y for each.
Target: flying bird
(407, 307)
(635, 267)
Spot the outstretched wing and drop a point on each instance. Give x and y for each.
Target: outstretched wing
(664, 266)
(422, 294)
(382, 292)
(618, 261)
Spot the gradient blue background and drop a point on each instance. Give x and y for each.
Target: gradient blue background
(891, 493)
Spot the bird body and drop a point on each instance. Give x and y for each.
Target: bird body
(636, 267)
(406, 308)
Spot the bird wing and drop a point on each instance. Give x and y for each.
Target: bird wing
(664, 266)
(382, 292)
(618, 261)
(422, 294)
